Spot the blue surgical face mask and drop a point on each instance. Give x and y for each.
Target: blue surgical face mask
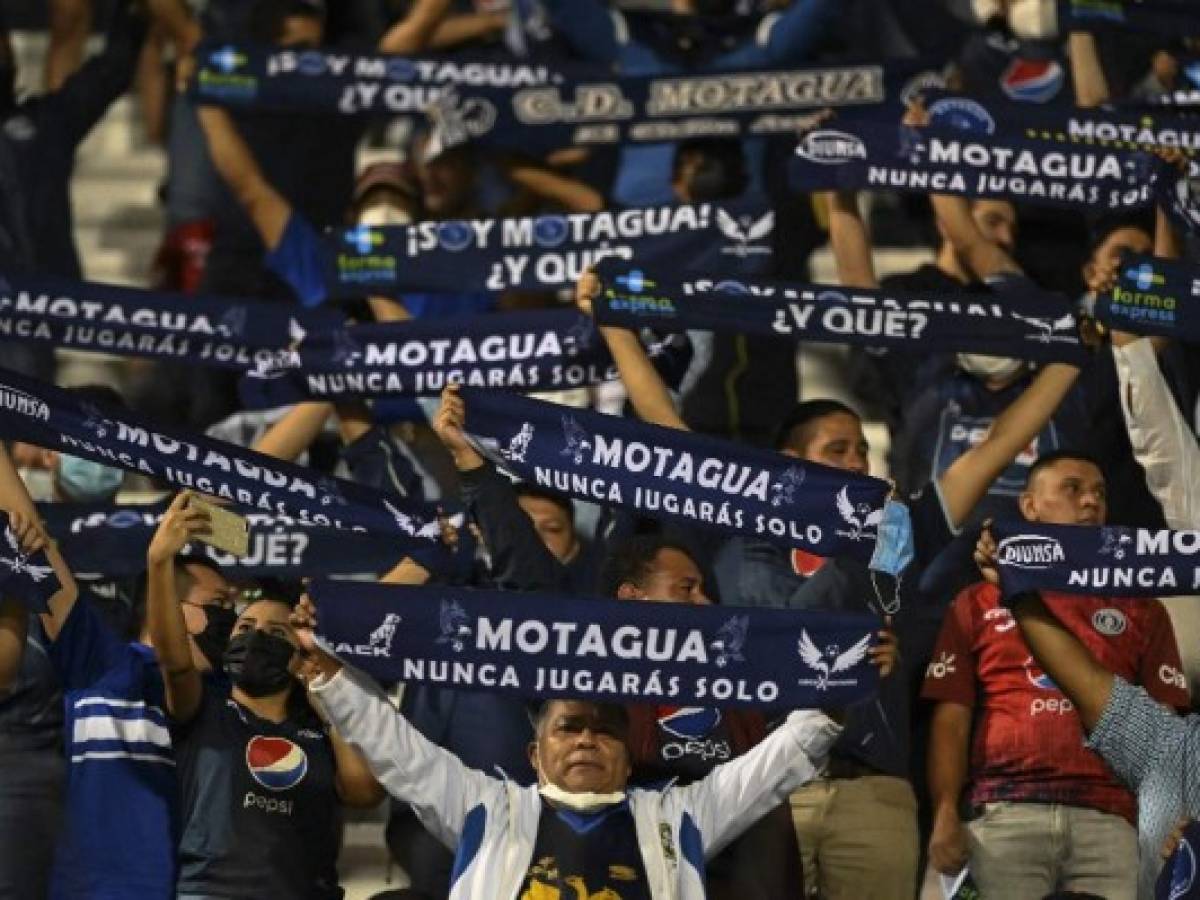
(894, 547)
(85, 481)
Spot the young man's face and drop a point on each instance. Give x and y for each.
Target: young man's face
(581, 747)
(996, 221)
(836, 440)
(553, 526)
(674, 578)
(1067, 492)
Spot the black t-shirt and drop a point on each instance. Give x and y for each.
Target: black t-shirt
(578, 856)
(260, 814)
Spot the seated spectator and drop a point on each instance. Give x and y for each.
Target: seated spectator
(261, 779)
(1048, 814)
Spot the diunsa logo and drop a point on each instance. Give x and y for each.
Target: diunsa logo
(831, 148)
(1030, 551)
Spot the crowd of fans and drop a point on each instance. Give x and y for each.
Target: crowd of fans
(152, 728)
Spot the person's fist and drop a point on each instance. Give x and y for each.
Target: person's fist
(948, 844)
(886, 652)
(448, 424)
(28, 531)
(587, 288)
(985, 554)
(179, 526)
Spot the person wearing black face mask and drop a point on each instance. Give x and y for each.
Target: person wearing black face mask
(261, 781)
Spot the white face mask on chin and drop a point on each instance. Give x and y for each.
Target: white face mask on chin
(582, 802)
(987, 367)
(384, 214)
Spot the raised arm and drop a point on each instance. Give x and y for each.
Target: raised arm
(1091, 85)
(413, 33)
(572, 193)
(985, 258)
(849, 240)
(295, 431)
(455, 30)
(164, 615)
(520, 559)
(743, 790)
(15, 500)
(440, 788)
(646, 388)
(969, 477)
(233, 159)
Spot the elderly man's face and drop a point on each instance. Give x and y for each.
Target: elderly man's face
(581, 747)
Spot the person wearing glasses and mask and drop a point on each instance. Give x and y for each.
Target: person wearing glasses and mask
(261, 779)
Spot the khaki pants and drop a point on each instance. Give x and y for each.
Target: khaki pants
(858, 837)
(1020, 851)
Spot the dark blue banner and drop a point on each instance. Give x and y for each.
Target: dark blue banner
(338, 83)
(28, 578)
(548, 251)
(677, 475)
(1174, 18)
(1153, 296)
(550, 350)
(1111, 560)
(873, 156)
(217, 332)
(1180, 875)
(654, 108)
(540, 645)
(1112, 126)
(45, 415)
(112, 540)
(1034, 327)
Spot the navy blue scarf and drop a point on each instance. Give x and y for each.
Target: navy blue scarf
(112, 540)
(678, 476)
(873, 156)
(207, 331)
(1037, 327)
(1166, 17)
(547, 251)
(42, 414)
(29, 579)
(549, 350)
(338, 83)
(1153, 296)
(1112, 561)
(656, 108)
(622, 651)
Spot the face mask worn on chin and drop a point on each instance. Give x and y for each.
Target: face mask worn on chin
(582, 802)
(384, 215)
(86, 481)
(213, 640)
(984, 367)
(257, 662)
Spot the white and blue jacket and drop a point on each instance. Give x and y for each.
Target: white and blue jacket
(492, 823)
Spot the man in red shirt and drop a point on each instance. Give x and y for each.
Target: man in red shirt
(1050, 814)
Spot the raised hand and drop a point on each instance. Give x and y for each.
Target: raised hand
(448, 424)
(179, 526)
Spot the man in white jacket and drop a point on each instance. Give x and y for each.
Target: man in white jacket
(581, 831)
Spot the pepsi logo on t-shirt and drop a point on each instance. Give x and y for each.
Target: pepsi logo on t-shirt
(1032, 80)
(275, 762)
(692, 739)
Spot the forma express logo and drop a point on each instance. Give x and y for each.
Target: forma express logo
(631, 298)
(365, 264)
(1144, 299)
(275, 762)
(222, 76)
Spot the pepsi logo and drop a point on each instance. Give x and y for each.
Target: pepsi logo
(276, 763)
(454, 236)
(1037, 677)
(549, 231)
(805, 563)
(691, 723)
(1032, 80)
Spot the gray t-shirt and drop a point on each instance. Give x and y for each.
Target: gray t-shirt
(31, 711)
